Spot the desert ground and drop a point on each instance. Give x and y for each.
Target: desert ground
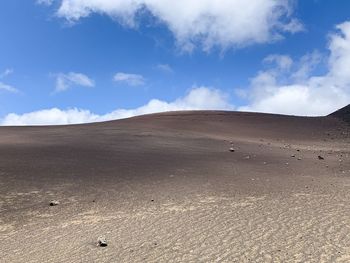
(166, 188)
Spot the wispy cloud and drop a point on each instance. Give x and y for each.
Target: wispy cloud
(283, 62)
(5, 73)
(4, 86)
(129, 79)
(294, 26)
(44, 2)
(8, 88)
(198, 98)
(71, 79)
(165, 68)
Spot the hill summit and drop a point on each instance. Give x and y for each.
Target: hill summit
(343, 113)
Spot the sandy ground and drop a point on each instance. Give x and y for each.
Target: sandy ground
(166, 188)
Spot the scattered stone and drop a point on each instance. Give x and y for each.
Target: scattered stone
(102, 242)
(152, 200)
(293, 155)
(299, 159)
(247, 157)
(232, 149)
(320, 157)
(54, 202)
(264, 163)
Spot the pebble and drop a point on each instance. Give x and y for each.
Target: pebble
(102, 242)
(54, 202)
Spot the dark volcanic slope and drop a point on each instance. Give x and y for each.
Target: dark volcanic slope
(166, 188)
(343, 113)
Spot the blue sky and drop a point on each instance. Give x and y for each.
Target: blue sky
(73, 61)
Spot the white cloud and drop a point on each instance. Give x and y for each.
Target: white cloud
(8, 88)
(130, 79)
(165, 68)
(304, 93)
(5, 73)
(66, 81)
(204, 23)
(198, 98)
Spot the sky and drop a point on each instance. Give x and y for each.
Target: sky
(78, 61)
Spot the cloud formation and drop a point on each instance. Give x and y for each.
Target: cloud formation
(5, 73)
(198, 98)
(204, 23)
(129, 79)
(8, 88)
(44, 2)
(283, 62)
(71, 79)
(301, 92)
(165, 68)
(4, 86)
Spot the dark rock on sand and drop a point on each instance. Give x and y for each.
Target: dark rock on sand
(102, 242)
(54, 202)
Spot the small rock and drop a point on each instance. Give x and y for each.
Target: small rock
(293, 155)
(320, 157)
(247, 157)
(232, 149)
(152, 200)
(102, 242)
(299, 159)
(54, 202)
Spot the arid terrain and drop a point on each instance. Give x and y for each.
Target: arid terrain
(166, 188)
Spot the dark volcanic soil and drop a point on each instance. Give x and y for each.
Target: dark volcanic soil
(343, 114)
(166, 188)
